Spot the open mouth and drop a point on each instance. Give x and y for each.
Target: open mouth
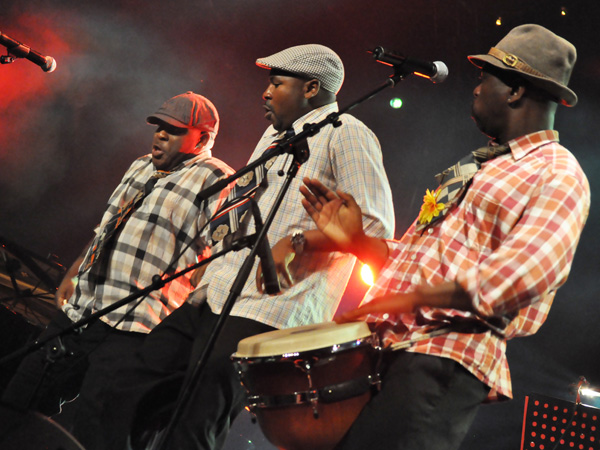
(157, 152)
(268, 112)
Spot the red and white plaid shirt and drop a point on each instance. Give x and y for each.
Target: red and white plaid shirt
(509, 243)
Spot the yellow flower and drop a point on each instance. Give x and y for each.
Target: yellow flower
(430, 208)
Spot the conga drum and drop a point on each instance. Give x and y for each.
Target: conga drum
(306, 385)
(28, 430)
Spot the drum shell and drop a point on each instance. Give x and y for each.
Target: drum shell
(294, 426)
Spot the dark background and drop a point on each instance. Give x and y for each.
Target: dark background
(67, 137)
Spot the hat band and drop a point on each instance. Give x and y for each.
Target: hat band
(514, 62)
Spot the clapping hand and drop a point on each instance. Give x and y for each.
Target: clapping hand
(336, 214)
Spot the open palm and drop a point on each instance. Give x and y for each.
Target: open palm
(337, 215)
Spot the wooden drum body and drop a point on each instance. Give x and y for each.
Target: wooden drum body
(306, 385)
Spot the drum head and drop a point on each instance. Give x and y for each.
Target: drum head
(300, 339)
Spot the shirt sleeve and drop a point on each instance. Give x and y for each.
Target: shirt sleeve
(517, 281)
(358, 168)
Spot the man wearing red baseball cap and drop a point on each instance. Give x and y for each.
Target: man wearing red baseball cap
(153, 225)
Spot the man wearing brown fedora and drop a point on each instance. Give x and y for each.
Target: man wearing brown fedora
(481, 263)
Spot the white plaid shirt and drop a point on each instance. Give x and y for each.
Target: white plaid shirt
(347, 158)
(167, 220)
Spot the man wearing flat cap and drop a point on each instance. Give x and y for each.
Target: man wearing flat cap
(152, 226)
(302, 88)
(483, 260)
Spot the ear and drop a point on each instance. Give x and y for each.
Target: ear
(204, 138)
(311, 88)
(516, 94)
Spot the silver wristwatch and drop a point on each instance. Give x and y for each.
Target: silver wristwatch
(298, 241)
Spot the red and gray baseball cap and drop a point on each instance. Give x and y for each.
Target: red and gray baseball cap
(189, 110)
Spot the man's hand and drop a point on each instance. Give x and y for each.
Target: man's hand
(283, 255)
(446, 295)
(339, 219)
(67, 286)
(337, 215)
(64, 291)
(388, 304)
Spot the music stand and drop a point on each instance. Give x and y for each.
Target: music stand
(28, 283)
(551, 424)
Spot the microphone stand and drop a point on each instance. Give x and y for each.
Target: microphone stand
(296, 145)
(157, 283)
(310, 129)
(54, 347)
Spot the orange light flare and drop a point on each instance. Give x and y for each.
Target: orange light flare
(366, 274)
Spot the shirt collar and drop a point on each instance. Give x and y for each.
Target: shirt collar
(524, 145)
(309, 117)
(204, 154)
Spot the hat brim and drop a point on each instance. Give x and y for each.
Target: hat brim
(563, 94)
(155, 119)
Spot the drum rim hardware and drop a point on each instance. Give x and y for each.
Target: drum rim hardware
(326, 394)
(305, 361)
(372, 340)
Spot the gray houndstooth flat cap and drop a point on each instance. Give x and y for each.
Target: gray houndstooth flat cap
(309, 61)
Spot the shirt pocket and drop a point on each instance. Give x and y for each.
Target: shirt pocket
(484, 222)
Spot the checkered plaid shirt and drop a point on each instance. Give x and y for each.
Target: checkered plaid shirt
(169, 218)
(509, 244)
(347, 158)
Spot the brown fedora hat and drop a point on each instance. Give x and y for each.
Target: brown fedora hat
(538, 55)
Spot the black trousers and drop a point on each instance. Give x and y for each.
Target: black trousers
(87, 373)
(131, 381)
(426, 402)
(146, 387)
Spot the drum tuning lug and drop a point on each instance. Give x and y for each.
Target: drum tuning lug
(313, 397)
(304, 365)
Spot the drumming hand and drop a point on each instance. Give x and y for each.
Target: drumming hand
(337, 215)
(449, 294)
(387, 304)
(283, 255)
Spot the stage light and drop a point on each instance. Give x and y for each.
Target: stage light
(367, 275)
(563, 11)
(587, 395)
(396, 103)
(499, 21)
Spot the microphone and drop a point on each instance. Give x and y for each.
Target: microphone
(436, 71)
(47, 63)
(265, 254)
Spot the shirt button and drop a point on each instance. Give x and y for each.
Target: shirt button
(413, 257)
(430, 230)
